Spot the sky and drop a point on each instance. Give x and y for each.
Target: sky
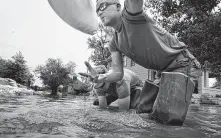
(32, 27)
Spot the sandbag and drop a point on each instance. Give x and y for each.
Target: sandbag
(4, 81)
(80, 14)
(173, 99)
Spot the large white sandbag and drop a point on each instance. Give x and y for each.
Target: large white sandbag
(80, 14)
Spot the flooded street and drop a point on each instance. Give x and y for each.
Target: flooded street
(75, 116)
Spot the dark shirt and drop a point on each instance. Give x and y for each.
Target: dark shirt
(142, 40)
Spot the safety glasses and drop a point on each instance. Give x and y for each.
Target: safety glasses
(104, 6)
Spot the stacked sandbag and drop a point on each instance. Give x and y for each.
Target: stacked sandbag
(8, 81)
(12, 83)
(4, 81)
(9, 87)
(7, 90)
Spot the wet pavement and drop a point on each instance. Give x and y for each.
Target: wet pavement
(75, 116)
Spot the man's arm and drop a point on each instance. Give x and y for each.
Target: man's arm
(124, 103)
(116, 74)
(102, 102)
(101, 93)
(123, 91)
(134, 6)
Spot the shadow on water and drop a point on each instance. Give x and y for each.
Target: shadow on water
(75, 116)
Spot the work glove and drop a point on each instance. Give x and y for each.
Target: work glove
(93, 76)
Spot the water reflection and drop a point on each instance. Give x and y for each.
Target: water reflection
(75, 116)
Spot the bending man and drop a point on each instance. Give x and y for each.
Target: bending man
(142, 40)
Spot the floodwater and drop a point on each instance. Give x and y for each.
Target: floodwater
(75, 116)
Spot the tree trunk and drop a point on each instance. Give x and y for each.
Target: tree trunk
(54, 91)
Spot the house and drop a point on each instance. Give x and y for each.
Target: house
(203, 84)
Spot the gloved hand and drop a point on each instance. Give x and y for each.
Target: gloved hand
(93, 76)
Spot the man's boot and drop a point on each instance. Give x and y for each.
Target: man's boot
(147, 97)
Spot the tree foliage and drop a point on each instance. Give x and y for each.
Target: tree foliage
(55, 73)
(98, 43)
(196, 22)
(16, 69)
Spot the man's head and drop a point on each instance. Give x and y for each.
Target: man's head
(107, 10)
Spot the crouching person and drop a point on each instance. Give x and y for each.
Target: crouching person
(127, 90)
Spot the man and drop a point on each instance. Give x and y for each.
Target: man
(141, 39)
(127, 90)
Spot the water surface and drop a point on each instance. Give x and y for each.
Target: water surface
(75, 116)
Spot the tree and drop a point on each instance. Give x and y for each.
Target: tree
(55, 73)
(22, 74)
(71, 68)
(7, 69)
(98, 43)
(2, 67)
(196, 23)
(16, 69)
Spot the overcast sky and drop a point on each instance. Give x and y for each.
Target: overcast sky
(32, 27)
